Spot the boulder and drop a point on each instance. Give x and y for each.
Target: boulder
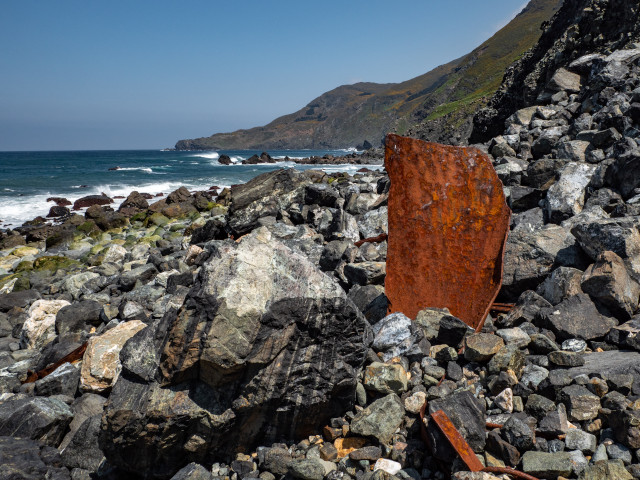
(264, 196)
(57, 212)
(39, 328)
(38, 418)
(62, 381)
(619, 235)
(19, 299)
(265, 347)
(577, 317)
(101, 361)
(134, 201)
(565, 198)
(83, 450)
(24, 459)
(565, 80)
(90, 200)
(608, 282)
(468, 415)
(380, 419)
(531, 255)
(78, 317)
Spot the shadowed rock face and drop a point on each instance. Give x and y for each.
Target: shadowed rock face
(265, 347)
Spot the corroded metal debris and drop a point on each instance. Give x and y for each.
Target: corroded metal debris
(72, 357)
(448, 223)
(462, 448)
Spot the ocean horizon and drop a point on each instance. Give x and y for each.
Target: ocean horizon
(29, 178)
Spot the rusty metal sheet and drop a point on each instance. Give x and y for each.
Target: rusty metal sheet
(448, 224)
(457, 441)
(72, 357)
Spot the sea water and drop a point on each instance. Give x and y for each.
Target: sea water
(27, 179)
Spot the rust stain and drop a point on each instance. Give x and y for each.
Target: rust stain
(380, 238)
(448, 224)
(70, 358)
(457, 441)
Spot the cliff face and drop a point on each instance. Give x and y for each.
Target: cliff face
(579, 27)
(435, 106)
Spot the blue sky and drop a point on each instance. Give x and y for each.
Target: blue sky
(144, 74)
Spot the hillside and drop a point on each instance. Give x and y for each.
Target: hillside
(435, 106)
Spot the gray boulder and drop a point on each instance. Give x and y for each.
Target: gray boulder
(24, 459)
(577, 317)
(264, 196)
(37, 418)
(265, 347)
(566, 197)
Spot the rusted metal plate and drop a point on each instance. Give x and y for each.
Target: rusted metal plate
(457, 441)
(72, 357)
(448, 223)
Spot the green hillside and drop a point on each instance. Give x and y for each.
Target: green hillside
(437, 105)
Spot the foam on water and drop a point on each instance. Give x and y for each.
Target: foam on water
(209, 155)
(134, 169)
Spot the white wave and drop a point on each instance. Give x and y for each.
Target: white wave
(350, 150)
(281, 157)
(140, 169)
(209, 155)
(9, 190)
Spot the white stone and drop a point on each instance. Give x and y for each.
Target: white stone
(504, 400)
(414, 402)
(566, 197)
(40, 328)
(387, 465)
(191, 254)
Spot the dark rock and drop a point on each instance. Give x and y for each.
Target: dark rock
(321, 194)
(264, 195)
(566, 359)
(135, 201)
(37, 418)
(468, 414)
(608, 282)
(214, 229)
(90, 200)
(224, 159)
(181, 195)
(62, 381)
(57, 212)
(371, 453)
(78, 317)
(380, 419)
(19, 299)
(581, 403)
(452, 331)
(60, 201)
(577, 317)
(507, 452)
(519, 431)
(24, 459)
(306, 469)
(83, 450)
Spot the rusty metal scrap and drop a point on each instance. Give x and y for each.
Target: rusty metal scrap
(462, 448)
(380, 238)
(74, 356)
(457, 441)
(448, 223)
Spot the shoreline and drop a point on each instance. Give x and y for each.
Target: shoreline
(324, 162)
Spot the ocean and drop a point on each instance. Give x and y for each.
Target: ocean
(27, 179)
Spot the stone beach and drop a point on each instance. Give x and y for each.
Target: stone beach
(242, 334)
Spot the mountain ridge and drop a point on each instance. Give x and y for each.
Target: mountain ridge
(446, 96)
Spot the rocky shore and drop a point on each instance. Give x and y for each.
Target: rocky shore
(243, 334)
